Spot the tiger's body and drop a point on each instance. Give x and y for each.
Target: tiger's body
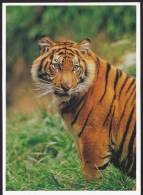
(97, 102)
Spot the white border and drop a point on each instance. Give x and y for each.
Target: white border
(4, 90)
(138, 103)
(73, 3)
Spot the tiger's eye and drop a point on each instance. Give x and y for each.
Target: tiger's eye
(76, 68)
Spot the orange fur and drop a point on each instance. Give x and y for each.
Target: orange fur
(99, 108)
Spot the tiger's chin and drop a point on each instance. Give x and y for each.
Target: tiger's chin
(64, 98)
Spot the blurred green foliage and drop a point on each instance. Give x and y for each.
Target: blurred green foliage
(25, 24)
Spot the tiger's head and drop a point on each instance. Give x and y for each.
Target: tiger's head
(64, 68)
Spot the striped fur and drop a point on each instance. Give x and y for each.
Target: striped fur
(97, 102)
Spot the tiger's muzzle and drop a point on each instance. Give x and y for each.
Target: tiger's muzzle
(65, 83)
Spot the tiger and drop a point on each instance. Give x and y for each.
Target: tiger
(96, 100)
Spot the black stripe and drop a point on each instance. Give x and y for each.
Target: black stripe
(85, 123)
(124, 110)
(52, 54)
(116, 79)
(130, 148)
(42, 61)
(104, 157)
(61, 53)
(81, 59)
(78, 60)
(133, 93)
(80, 71)
(133, 90)
(126, 131)
(57, 50)
(86, 72)
(77, 114)
(98, 65)
(41, 64)
(123, 85)
(134, 98)
(103, 166)
(132, 173)
(110, 126)
(110, 109)
(130, 95)
(70, 52)
(106, 81)
(133, 81)
(118, 74)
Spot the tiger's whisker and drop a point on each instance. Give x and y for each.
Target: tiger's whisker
(45, 93)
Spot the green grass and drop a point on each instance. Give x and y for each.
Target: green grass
(41, 155)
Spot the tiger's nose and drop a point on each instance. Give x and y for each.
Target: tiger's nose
(65, 86)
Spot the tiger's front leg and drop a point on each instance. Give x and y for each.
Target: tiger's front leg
(94, 152)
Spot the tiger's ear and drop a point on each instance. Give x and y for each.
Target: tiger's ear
(45, 43)
(84, 45)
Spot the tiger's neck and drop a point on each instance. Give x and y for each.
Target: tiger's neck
(71, 105)
(74, 109)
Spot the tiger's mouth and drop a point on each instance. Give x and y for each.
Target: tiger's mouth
(62, 94)
(65, 97)
(66, 94)
(62, 98)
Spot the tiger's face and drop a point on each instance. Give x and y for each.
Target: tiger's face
(63, 68)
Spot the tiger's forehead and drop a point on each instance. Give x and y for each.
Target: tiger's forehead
(58, 57)
(65, 50)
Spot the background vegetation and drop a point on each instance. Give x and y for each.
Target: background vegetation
(41, 155)
(25, 24)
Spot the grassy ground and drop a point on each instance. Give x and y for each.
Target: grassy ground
(41, 155)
